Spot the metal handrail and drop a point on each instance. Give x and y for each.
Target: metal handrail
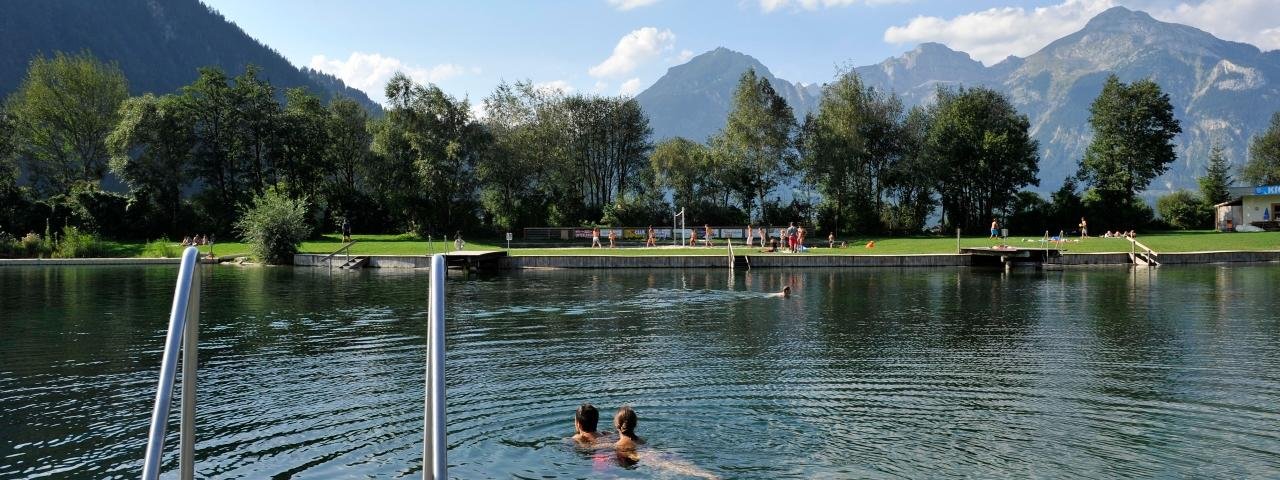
(434, 447)
(184, 328)
(345, 248)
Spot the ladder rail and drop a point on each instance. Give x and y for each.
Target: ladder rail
(434, 446)
(184, 321)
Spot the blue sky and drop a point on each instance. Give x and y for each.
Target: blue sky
(623, 46)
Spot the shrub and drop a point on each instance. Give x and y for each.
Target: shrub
(274, 226)
(161, 249)
(79, 244)
(1184, 210)
(33, 245)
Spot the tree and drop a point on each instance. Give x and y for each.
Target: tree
(347, 157)
(1133, 131)
(849, 150)
(1263, 167)
(303, 140)
(61, 115)
(209, 104)
(151, 152)
(1183, 210)
(524, 123)
(274, 226)
(1214, 185)
(609, 142)
(756, 140)
(432, 133)
(911, 180)
(979, 147)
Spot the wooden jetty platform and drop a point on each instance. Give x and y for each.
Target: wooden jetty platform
(475, 260)
(1013, 256)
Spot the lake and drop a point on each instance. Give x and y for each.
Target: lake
(882, 373)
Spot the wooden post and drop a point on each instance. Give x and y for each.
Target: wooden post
(957, 241)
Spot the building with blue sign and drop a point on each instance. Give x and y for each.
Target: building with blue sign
(1250, 209)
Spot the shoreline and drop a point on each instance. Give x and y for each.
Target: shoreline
(587, 262)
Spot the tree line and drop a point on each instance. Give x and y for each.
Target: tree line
(196, 159)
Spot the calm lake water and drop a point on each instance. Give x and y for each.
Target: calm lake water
(1082, 373)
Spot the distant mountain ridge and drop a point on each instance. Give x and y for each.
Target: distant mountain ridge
(1221, 90)
(158, 44)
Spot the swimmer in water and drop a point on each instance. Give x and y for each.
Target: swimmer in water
(628, 453)
(584, 424)
(785, 293)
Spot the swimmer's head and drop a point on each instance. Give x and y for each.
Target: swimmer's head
(786, 291)
(587, 417)
(625, 421)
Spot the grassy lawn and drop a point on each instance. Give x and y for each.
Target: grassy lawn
(405, 245)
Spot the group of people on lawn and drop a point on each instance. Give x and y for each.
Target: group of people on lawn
(1084, 232)
(790, 239)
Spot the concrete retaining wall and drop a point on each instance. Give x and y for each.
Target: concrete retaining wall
(13, 262)
(1094, 259)
(1216, 257)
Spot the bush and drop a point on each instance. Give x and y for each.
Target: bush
(274, 227)
(33, 245)
(79, 244)
(1184, 210)
(161, 249)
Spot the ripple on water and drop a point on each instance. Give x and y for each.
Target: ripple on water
(864, 373)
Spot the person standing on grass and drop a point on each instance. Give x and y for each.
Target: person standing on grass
(595, 238)
(749, 232)
(457, 241)
(1084, 228)
(693, 237)
(995, 229)
(791, 237)
(831, 240)
(762, 236)
(706, 237)
(652, 239)
(613, 238)
(346, 230)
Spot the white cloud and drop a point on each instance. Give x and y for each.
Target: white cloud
(555, 85)
(369, 72)
(600, 86)
(993, 34)
(634, 49)
(774, 5)
(685, 55)
(629, 88)
(625, 5)
(1252, 21)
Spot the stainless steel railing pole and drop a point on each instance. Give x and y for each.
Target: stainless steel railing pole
(168, 364)
(190, 360)
(434, 464)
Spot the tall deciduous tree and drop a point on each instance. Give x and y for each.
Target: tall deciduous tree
(1133, 131)
(849, 150)
(609, 141)
(1217, 177)
(528, 140)
(757, 140)
(434, 133)
(1263, 167)
(151, 152)
(61, 116)
(981, 153)
(347, 156)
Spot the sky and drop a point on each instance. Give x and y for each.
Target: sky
(620, 47)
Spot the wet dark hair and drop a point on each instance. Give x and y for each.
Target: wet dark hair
(588, 417)
(625, 422)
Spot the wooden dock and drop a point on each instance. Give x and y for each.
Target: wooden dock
(1013, 256)
(475, 260)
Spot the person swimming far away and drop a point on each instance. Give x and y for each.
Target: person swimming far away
(785, 293)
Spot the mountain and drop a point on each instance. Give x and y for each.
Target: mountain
(158, 44)
(1220, 90)
(692, 100)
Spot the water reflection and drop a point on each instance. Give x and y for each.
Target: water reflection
(1087, 372)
